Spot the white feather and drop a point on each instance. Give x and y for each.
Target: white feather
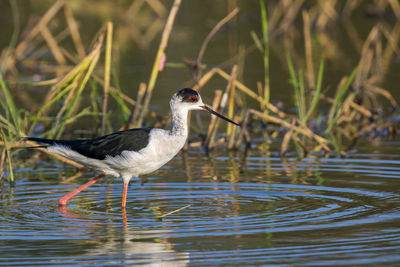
(162, 147)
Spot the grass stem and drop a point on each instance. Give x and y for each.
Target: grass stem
(160, 52)
(107, 71)
(264, 23)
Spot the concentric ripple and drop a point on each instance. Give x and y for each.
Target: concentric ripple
(267, 211)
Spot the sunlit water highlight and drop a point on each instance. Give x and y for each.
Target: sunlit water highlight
(257, 210)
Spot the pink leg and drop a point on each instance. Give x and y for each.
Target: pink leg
(124, 193)
(124, 219)
(63, 201)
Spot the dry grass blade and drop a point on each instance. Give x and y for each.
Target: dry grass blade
(36, 30)
(174, 211)
(396, 7)
(71, 178)
(251, 93)
(52, 43)
(231, 141)
(350, 6)
(391, 48)
(290, 15)
(157, 6)
(361, 109)
(212, 126)
(392, 37)
(72, 100)
(50, 102)
(216, 28)
(71, 75)
(68, 100)
(136, 111)
(308, 49)
(107, 71)
(163, 45)
(286, 140)
(6, 61)
(115, 92)
(306, 132)
(219, 104)
(207, 76)
(302, 145)
(7, 150)
(260, 91)
(73, 29)
(2, 161)
(328, 13)
(231, 106)
(243, 130)
(384, 93)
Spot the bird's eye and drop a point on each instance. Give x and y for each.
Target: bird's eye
(193, 99)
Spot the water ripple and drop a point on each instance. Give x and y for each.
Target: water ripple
(296, 212)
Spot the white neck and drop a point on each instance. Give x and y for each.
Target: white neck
(179, 121)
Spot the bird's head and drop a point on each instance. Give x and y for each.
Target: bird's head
(189, 99)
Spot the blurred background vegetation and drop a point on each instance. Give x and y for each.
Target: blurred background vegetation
(317, 75)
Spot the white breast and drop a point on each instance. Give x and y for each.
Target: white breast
(162, 147)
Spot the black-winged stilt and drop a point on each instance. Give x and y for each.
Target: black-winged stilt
(134, 152)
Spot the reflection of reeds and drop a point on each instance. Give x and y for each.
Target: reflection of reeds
(6, 152)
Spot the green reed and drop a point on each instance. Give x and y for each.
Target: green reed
(337, 106)
(12, 119)
(264, 23)
(8, 154)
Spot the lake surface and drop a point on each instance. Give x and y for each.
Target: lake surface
(246, 208)
(253, 210)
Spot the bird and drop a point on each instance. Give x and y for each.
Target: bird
(134, 152)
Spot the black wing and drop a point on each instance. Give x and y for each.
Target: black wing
(107, 145)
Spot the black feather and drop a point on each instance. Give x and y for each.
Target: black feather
(107, 145)
(186, 94)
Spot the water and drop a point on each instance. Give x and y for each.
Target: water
(256, 209)
(253, 210)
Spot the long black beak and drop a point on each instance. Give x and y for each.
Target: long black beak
(218, 115)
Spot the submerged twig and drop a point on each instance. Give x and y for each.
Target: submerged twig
(174, 211)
